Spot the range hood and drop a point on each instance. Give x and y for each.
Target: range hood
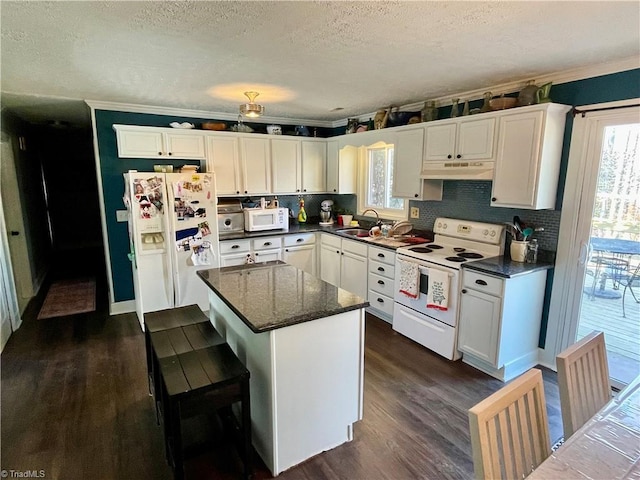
(470, 170)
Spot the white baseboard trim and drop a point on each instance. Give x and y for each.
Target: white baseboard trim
(128, 306)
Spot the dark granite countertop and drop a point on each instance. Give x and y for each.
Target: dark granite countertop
(274, 294)
(313, 228)
(505, 267)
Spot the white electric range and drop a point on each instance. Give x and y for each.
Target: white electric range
(455, 242)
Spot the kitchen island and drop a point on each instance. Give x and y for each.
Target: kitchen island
(302, 340)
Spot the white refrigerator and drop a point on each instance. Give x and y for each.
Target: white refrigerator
(173, 232)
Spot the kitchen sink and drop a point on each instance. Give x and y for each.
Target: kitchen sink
(355, 232)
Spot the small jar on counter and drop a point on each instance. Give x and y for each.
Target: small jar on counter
(386, 230)
(532, 251)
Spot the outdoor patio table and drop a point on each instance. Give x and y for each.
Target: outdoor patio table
(611, 258)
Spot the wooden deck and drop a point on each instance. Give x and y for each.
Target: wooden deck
(622, 335)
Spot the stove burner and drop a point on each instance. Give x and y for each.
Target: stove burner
(421, 250)
(470, 255)
(458, 249)
(456, 259)
(435, 246)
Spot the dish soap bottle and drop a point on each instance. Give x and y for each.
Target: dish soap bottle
(302, 215)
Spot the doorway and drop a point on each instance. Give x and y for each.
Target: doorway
(600, 231)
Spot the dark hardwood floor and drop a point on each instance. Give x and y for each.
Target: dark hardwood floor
(75, 405)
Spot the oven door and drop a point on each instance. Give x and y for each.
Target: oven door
(419, 304)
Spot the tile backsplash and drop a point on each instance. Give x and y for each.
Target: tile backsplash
(470, 200)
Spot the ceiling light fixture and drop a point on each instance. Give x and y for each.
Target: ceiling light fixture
(251, 109)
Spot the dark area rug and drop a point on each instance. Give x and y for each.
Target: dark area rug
(68, 297)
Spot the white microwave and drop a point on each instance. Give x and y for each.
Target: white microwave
(260, 219)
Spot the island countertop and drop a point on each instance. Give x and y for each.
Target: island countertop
(271, 295)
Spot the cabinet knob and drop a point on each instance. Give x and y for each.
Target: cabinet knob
(494, 199)
(464, 290)
(237, 191)
(245, 191)
(160, 153)
(170, 153)
(381, 300)
(304, 190)
(297, 189)
(415, 195)
(14, 233)
(380, 282)
(266, 244)
(334, 190)
(481, 282)
(458, 156)
(286, 249)
(235, 246)
(381, 255)
(448, 156)
(381, 269)
(338, 251)
(300, 240)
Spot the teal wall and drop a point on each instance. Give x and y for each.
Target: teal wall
(469, 199)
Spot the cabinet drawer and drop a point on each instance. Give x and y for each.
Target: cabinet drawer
(235, 246)
(382, 269)
(266, 243)
(482, 283)
(381, 302)
(299, 239)
(382, 255)
(381, 284)
(332, 240)
(355, 247)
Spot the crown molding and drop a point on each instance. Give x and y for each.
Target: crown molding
(557, 78)
(180, 112)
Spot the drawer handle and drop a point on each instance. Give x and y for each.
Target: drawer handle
(381, 300)
(464, 290)
(481, 282)
(381, 269)
(381, 255)
(235, 246)
(300, 240)
(380, 282)
(266, 244)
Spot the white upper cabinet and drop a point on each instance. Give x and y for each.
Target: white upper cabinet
(286, 165)
(314, 166)
(255, 158)
(407, 164)
(342, 168)
(223, 159)
(154, 142)
(460, 140)
(528, 157)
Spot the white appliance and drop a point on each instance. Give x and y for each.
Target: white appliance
(261, 219)
(455, 242)
(469, 170)
(173, 232)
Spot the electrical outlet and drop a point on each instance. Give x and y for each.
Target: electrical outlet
(121, 216)
(415, 212)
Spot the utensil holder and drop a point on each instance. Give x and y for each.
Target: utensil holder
(519, 250)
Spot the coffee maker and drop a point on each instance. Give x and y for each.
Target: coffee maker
(325, 212)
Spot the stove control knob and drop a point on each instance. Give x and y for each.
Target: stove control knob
(444, 227)
(493, 233)
(485, 232)
(439, 224)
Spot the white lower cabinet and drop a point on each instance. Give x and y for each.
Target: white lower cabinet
(300, 251)
(266, 249)
(500, 321)
(234, 252)
(381, 282)
(343, 263)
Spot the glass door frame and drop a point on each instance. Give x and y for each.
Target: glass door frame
(575, 223)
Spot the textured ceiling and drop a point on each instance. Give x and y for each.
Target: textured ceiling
(305, 58)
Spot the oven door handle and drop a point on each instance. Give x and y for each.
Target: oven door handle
(425, 271)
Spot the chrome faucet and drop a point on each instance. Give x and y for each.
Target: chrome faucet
(378, 221)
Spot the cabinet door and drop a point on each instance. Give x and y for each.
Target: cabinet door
(285, 165)
(267, 255)
(353, 274)
(140, 144)
(517, 160)
(407, 164)
(314, 167)
(330, 264)
(440, 142)
(476, 139)
(303, 257)
(232, 260)
(479, 325)
(256, 165)
(332, 166)
(185, 145)
(223, 159)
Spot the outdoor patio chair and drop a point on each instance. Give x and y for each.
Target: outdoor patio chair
(632, 275)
